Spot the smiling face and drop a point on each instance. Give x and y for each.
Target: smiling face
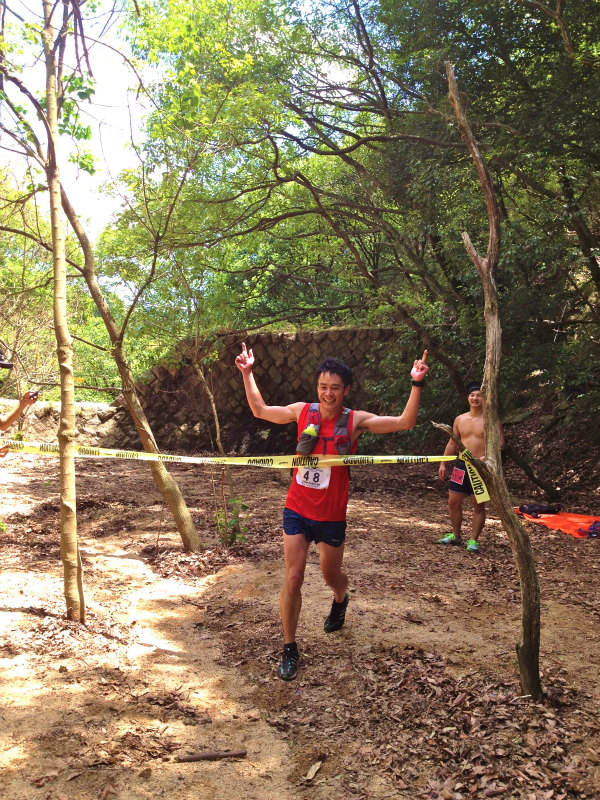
(475, 399)
(331, 393)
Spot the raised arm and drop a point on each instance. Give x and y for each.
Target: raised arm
(9, 419)
(374, 423)
(278, 414)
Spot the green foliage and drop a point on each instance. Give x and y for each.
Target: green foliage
(310, 169)
(26, 318)
(26, 308)
(229, 521)
(85, 160)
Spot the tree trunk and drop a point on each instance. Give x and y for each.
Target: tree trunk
(551, 492)
(588, 242)
(528, 647)
(164, 482)
(69, 548)
(232, 525)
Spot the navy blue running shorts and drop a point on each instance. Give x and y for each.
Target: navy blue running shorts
(331, 533)
(459, 479)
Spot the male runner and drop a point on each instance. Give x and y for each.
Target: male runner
(315, 509)
(470, 430)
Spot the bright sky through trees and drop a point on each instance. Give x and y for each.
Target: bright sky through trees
(114, 112)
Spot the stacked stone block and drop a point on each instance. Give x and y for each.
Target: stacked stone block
(179, 410)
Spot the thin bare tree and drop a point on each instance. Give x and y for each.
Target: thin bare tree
(528, 646)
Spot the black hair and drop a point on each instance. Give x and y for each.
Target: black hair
(335, 367)
(474, 386)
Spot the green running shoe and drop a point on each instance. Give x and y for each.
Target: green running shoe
(472, 546)
(449, 538)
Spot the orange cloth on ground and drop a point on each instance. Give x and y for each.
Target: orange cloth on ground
(563, 521)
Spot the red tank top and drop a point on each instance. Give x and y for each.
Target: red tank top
(324, 505)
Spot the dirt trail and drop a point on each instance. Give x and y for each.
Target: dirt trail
(97, 710)
(416, 697)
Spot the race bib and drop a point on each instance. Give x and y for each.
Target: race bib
(458, 476)
(313, 478)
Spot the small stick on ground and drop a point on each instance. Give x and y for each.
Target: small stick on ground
(215, 755)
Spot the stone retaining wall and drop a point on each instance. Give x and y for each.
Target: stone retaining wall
(96, 424)
(179, 410)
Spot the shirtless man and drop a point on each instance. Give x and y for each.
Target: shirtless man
(315, 509)
(469, 429)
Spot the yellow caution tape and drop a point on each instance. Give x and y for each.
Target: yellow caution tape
(479, 488)
(275, 462)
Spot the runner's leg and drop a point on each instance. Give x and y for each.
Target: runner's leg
(455, 501)
(331, 567)
(295, 549)
(478, 519)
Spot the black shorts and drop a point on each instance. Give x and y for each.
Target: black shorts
(459, 480)
(331, 533)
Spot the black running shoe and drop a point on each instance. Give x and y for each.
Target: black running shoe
(288, 666)
(337, 615)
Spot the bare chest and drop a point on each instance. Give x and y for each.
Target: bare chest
(471, 428)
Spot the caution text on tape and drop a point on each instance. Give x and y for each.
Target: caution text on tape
(273, 462)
